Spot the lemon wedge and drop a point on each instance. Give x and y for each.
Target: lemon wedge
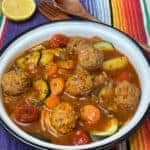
(18, 10)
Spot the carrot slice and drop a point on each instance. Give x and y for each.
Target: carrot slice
(124, 76)
(52, 101)
(51, 70)
(90, 114)
(57, 86)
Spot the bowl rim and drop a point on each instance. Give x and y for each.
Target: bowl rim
(78, 21)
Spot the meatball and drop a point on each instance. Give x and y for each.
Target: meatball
(79, 84)
(101, 79)
(126, 96)
(14, 83)
(121, 98)
(64, 118)
(74, 44)
(90, 58)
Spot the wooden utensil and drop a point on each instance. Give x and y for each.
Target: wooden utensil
(59, 10)
(74, 7)
(53, 13)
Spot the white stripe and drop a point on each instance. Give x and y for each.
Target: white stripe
(2, 26)
(103, 11)
(108, 12)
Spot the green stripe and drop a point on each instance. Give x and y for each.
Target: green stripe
(1, 16)
(147, 16)
(1, 19)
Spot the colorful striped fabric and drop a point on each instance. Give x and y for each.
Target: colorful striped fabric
(130, 16)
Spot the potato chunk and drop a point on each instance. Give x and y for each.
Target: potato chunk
(115, 63)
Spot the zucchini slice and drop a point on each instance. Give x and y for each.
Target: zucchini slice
(104, 45)
(43, 89)
(112, 128)
(21, 62)
(61, 53)
(107, 91)
(115, 63)
(47, 57)
(31, 58)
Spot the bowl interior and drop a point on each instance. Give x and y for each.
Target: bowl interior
(87, 29)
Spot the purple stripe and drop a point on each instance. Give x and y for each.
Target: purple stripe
(15, 28)
(7, 142)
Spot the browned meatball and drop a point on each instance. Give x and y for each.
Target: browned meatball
(79, 84)
(101, 79)
(121, 98)
(90, 58)
(74, 44)
(64, 118)
(14, 83)
(126, 96)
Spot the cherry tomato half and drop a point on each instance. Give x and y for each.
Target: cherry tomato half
(58, 40)
(26, 113)
(81, 137)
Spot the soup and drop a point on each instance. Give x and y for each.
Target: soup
(71, 90)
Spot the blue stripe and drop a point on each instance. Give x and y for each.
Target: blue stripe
(99, 8)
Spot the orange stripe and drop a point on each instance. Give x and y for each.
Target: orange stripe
(119, 18)
(127, 16)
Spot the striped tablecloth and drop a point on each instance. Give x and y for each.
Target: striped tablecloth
(130, 16)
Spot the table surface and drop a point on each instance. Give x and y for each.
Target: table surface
(130, 16)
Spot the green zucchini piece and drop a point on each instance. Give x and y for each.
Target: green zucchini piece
(104, 45)
(111, 128)
(43, 89)
(21, 62)
(107, 91)
(115, 63)
(61, 53)
(47, 57)
(33, 57)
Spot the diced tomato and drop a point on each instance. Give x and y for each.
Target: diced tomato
(58, 40)
(81, 137)
(124, 76)
(26, 113)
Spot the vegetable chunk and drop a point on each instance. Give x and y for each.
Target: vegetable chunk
(115, 63)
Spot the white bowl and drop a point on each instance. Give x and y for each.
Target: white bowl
(88, 29)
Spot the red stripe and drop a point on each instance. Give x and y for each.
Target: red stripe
(130, 18)
(134, 19)
(3, 33)
(139, 20)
